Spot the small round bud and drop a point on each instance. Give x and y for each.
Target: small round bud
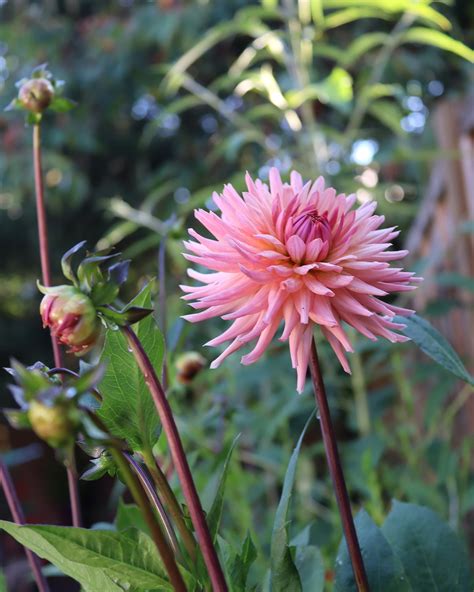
(188, 366)
(56, 424)
(72, 318)
(36, 94)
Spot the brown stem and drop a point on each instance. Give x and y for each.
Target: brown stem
(46, 276)
(141, 499)
(179, 460)
(19, 518)
(337, 476)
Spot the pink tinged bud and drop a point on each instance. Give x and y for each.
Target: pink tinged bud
(36, 94)
(71, 317)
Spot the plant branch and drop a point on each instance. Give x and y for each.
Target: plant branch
(19, 518)
(141, 499)
(179, 460)
(46, 276)
(155, 500)
(335, 469)
(171, 502)
(378, 68)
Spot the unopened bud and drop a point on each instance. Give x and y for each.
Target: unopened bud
(72, 318)
(56, 424)
(36, 94)
(188, 365)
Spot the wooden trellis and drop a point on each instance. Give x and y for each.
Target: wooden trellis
(442, 234)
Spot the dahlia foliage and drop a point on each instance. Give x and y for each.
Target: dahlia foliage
(296, 253)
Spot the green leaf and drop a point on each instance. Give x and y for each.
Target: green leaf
(66, 261)
(98, 559)
(384, 570)
(129, 516)
(215, 513)
(388, 113)
(128, 409)
(61, 105)
(433, 557)
(362, 45)
(348, 15)
(438, 39)
(238, 564)
(391, 7)
(284, 574)
(434, 345)
(336, 89)
(310, 566)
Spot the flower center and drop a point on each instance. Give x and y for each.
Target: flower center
(310, 225)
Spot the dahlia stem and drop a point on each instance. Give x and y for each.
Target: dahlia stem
(19, 518)
(141, 499)
(171, 502)
(179, 460)
(147, 485)
(71, 469)
(46, 276)
(335, 469)
(43, 226)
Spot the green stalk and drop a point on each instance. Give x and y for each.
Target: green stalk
(170, 501)
(141, 499)
(360, 394)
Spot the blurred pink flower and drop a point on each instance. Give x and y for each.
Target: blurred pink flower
(295, 253)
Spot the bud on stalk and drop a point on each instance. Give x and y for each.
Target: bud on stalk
(36, 94)
(188, 365)
(56, 424)
(71, 317)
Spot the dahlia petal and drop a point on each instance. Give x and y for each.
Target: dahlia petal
(234, 346)
(239, 326)
(357, 285)
(338, 350)
(276, 299)
(296, 248)
(291, 320)
(321, 312)
(316, 286)
(296, 181)
(263, 341)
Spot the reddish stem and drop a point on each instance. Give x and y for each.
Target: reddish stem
(337, 475)
(46, 277)
(179, 460)
(19, 518)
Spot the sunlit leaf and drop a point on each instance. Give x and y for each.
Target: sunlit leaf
(438, 39)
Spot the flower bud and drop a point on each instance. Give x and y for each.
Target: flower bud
(188, 365)
(72, 318)
(56, 424)
(36, 94)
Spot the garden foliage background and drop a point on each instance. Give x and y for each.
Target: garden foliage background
(250, 86)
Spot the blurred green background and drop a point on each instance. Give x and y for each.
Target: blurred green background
(174, 99)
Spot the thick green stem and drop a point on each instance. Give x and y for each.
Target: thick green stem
(170, 501)
(142, 501)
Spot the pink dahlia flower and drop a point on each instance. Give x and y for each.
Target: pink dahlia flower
(299, 254)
